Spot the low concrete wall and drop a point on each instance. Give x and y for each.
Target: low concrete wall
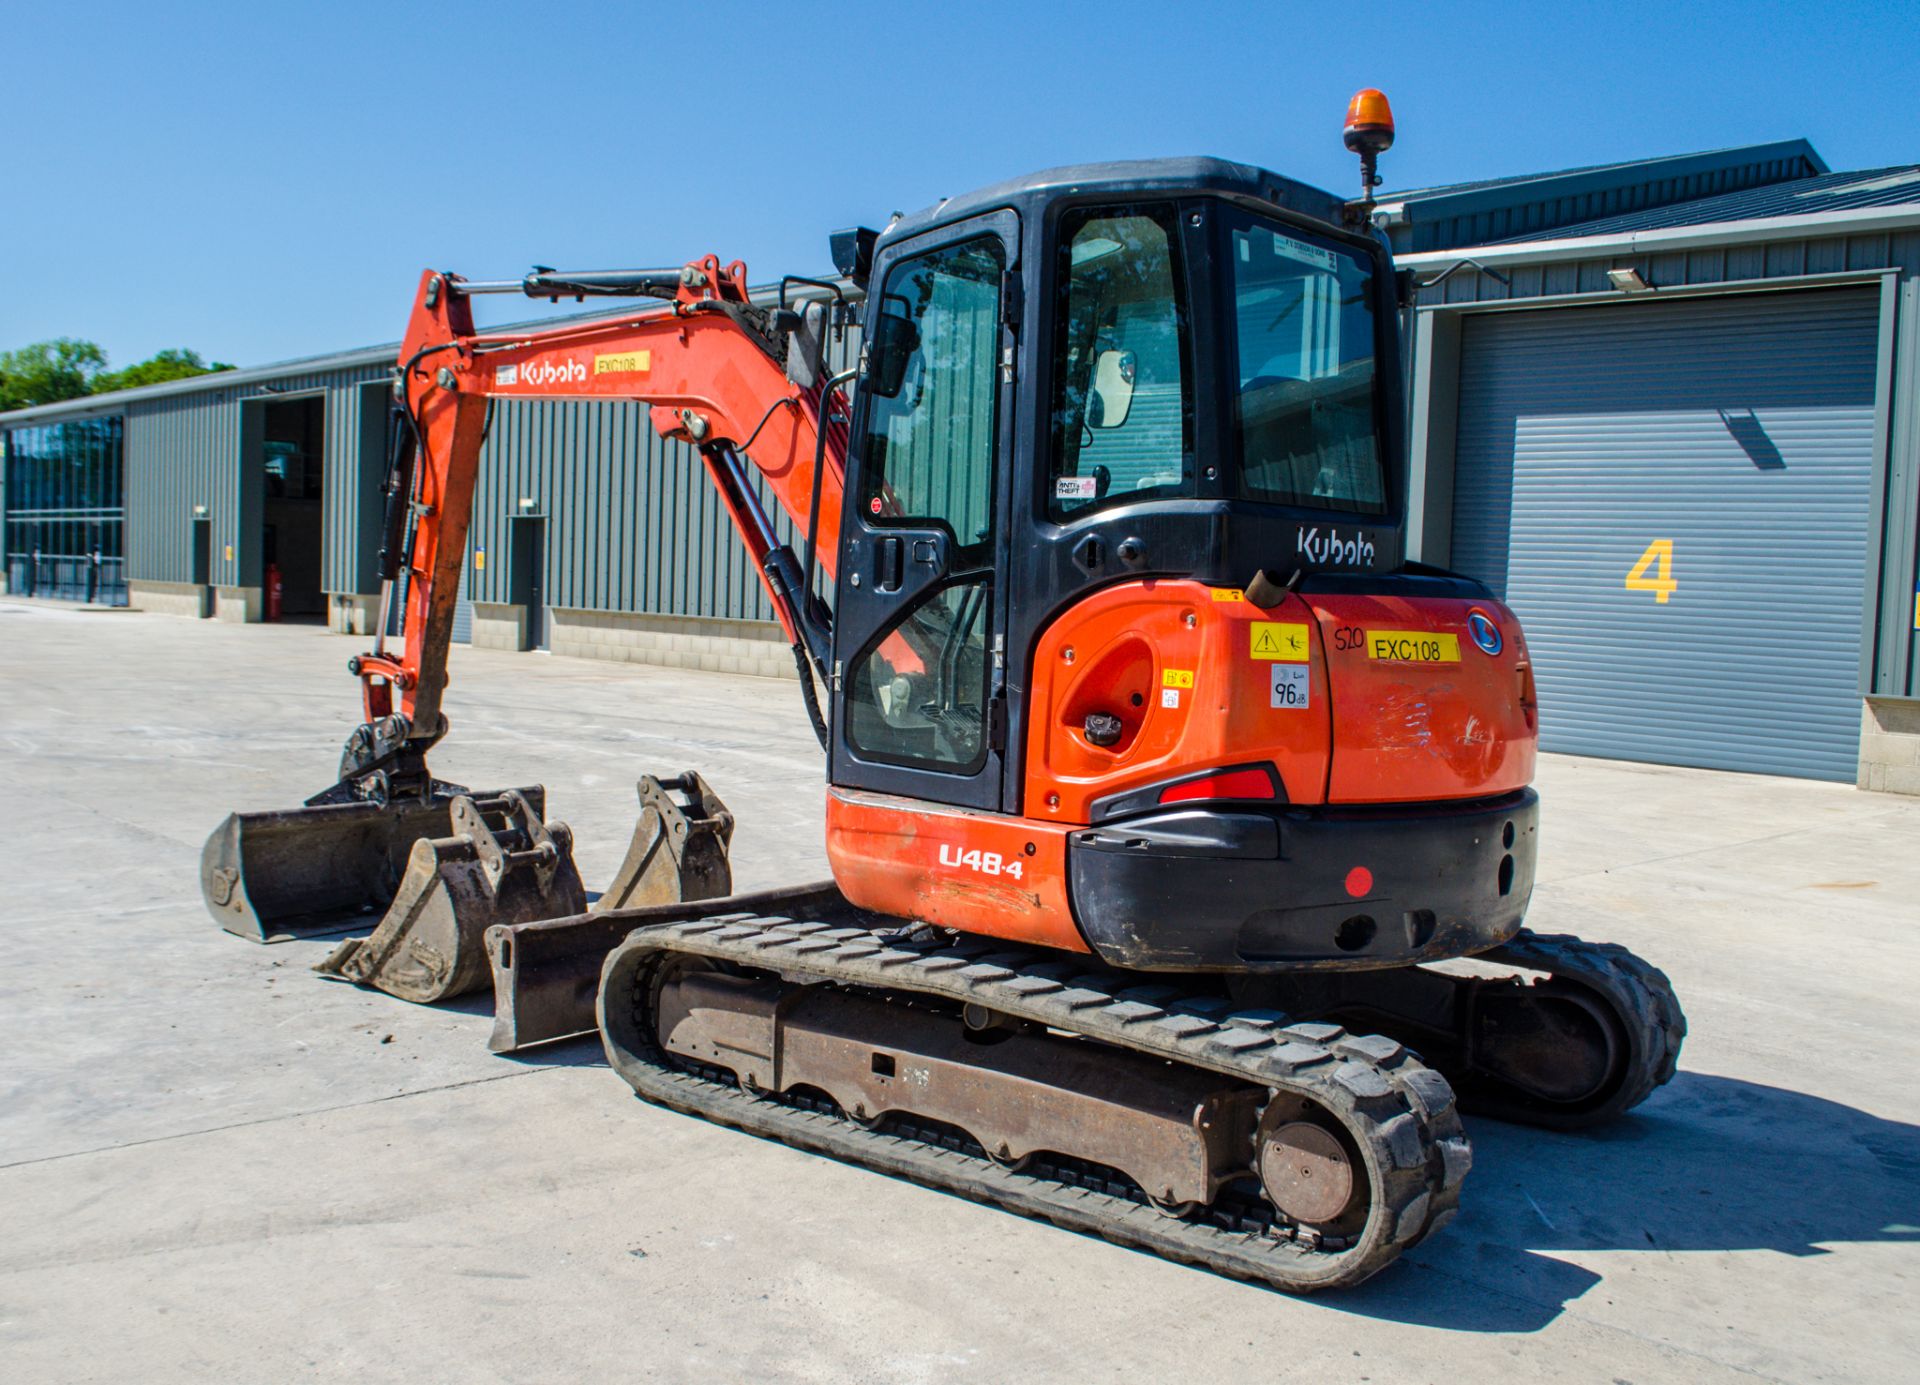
(1890, 745)
(349, 613)
(499, 626)
(723, 646)
(171, 598)
(237, 604)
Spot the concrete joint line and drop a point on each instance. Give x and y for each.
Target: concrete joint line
(274, 1120)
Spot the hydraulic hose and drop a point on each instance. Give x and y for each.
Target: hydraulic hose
(808, 694)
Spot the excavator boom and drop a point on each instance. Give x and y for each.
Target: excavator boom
(714, 371)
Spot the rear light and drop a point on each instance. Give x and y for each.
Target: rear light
(1523, 673)
(1232, 783)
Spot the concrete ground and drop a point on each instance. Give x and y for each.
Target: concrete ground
(215, 1165)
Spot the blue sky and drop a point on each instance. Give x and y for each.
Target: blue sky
(265, 181)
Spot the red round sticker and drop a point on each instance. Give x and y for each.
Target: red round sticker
(874, 505)
(1359, 881)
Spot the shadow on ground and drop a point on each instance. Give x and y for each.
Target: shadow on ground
(581, 1051)
(1708, 1164)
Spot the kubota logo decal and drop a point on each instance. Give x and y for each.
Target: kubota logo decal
(1333, 550)
(540, 373)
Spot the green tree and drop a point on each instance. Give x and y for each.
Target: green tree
(170, 364)
(49, 371)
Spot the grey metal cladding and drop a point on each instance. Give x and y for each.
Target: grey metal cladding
(1741, 428)
(171, 451)
(633, 522)
(184, 449)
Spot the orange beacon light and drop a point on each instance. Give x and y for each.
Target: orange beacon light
(1369, 133)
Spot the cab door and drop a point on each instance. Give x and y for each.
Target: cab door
(918, 687)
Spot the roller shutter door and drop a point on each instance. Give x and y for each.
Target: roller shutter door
(1734, 437)
(463, 612)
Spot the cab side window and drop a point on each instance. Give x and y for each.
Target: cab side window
(1122, 411)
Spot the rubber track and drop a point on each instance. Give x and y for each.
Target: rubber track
(1400, 1112)
(1639, 993)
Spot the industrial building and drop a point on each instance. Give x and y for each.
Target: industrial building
(1669, 409)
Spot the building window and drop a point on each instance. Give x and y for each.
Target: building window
(66, 511)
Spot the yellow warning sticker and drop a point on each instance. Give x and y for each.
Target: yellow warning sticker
(1176, 678)
(1228, 594)
(1279, 639)
(623, 363)
(479, 560)
(1413, 646)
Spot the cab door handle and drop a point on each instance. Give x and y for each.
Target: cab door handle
(891, 566)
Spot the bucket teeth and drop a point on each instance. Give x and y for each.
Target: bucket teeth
(499, 863)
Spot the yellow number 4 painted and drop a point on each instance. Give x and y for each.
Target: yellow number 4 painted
(1663, 586)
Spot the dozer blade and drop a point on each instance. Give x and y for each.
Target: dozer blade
(546, 972)
(499, 863)
(310, 871)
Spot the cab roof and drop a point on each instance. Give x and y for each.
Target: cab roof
(1029, 194)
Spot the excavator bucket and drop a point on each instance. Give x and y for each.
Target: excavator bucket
(546, 973)
(319, 869)
(679, 847)
(498, 864)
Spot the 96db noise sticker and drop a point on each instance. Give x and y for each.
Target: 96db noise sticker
(1290, 686)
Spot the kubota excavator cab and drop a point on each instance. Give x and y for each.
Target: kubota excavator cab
(1122, 608)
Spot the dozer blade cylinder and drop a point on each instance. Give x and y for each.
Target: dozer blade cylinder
(546, 974)
(307, 872)
(499, 864)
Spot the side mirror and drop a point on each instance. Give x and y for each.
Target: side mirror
(806, 332)
(895, 338)
(1111, 398)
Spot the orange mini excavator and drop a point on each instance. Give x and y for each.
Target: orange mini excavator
(1157, 777)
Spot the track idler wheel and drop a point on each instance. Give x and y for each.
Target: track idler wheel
(1578, 1047)
(1549, 1042)
(1308, 1170)
(1589, 1036)
(500, 864)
